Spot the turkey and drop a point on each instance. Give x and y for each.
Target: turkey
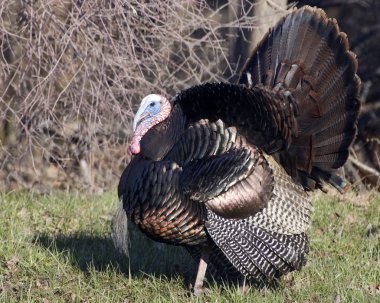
(225, 169)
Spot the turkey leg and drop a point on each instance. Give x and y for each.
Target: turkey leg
(198, 285)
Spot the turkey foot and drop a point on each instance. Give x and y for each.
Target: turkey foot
(244, 287)
(198, 285)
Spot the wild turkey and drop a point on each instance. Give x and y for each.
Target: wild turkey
(223, 169)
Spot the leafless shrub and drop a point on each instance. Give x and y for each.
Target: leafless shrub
(71, 73)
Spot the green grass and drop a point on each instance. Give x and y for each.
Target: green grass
(57, 248)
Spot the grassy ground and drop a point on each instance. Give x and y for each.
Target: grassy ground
(58, 248)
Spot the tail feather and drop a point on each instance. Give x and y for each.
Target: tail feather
(326, 162)
(120, 230)
(338, 142)
(307, 55)
(335, 128)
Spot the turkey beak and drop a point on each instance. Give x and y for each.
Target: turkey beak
(143, 117)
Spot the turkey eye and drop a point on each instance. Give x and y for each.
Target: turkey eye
(152, 104)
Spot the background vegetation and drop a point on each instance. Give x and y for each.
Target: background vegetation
(71, 73)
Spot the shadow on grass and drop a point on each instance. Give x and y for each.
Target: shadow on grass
(85, 251)
(146, 257)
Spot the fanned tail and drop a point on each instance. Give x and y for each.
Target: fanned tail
(307, 56)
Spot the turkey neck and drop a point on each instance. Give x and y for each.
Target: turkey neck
(160, 138)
